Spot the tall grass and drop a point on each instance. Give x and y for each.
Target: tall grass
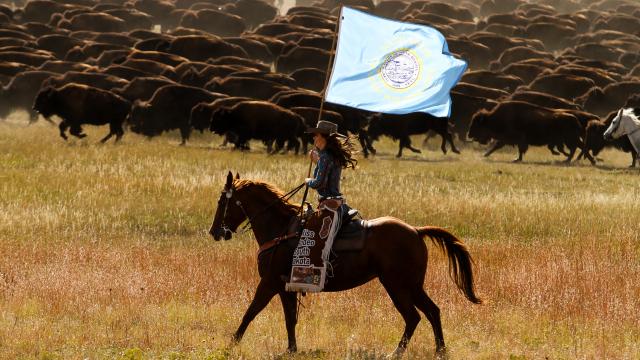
(104, 253)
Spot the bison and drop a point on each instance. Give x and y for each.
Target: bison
(602, 101)
(594, 141)
(310, 78)
(20, 92)
(202, 113)
(302, 57)
(80, 104)
(100, 81)
(260, 120)
(523, 124)
(201, 48)
(168, 109)
(245, 86)
(491, 79)
(545, 100)
(480, 91)
(462, 109)
(142, 88)
(401, 126)
(256, 49)
(565, 86)
(214, 21)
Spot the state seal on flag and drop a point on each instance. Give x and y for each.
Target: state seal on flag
(400, 69)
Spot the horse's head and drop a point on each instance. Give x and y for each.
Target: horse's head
(624, 123)
(228, 215)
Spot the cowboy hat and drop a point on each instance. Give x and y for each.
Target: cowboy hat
(323, 127)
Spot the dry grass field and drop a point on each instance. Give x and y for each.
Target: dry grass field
(104, 253)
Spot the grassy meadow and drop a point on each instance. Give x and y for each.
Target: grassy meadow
(104, 253)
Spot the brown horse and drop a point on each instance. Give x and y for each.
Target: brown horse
(394, 252)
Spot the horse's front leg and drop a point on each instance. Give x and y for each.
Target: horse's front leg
(289, 305)
(264, 293)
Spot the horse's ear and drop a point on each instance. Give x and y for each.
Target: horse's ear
(229, 180)
(237, 176)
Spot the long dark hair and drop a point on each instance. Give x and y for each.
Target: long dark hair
(342, 149)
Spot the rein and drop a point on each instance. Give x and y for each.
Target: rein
(247, 222)
(285, 197)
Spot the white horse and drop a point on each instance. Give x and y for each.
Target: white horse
(626, 122)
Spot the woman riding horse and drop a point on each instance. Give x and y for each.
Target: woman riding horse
(394, 252)
(332, 153)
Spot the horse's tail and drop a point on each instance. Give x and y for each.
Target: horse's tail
(460, 261)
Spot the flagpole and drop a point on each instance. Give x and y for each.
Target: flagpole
(331, 56)
(326, 80)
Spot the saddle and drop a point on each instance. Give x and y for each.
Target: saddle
(350, 237)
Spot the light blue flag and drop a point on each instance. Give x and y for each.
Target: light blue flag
(392, 67)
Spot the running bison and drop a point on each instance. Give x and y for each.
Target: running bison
(400, 127)
(523, 124)
(80, 104)
(168, 109)
(260, 120)
(595, 142)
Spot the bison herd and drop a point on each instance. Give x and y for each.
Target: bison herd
(541, 73)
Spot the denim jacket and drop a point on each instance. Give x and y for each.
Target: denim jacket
(326, 176)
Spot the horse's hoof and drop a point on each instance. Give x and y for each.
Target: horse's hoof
(396, 354)
(456, 151)
(441, 354)
(235, 340)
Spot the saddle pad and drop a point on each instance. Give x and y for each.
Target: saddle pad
(351, 236)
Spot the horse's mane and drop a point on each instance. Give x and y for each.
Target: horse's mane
(633, 114)
(268, 189)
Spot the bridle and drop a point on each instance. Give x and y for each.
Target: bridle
(228, 193)
(618, 121)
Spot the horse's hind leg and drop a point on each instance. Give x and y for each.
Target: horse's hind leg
(402, 299)
(431, 310)
(264, 293)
